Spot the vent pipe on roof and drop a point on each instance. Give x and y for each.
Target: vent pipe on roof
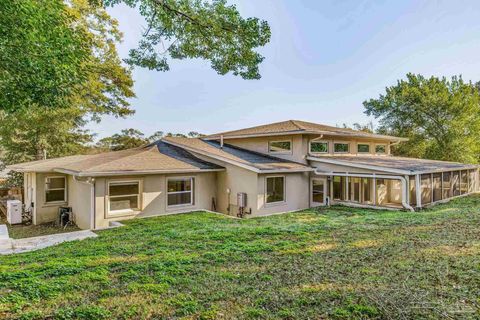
(221, 141)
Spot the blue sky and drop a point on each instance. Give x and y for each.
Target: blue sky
(324, 59)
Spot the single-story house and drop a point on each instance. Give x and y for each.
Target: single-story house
(273, 168)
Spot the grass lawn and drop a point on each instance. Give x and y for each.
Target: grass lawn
(328, 263)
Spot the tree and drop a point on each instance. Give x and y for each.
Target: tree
(126, 139)
(41, 54)
(102, 85)
(213, 31)
(440, 117)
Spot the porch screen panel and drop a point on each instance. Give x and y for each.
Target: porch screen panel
(381, 190)
(447, 185)
(426, 187)
(339, 188)
(463, 182)
(394, 191)
(471, 181)
(412, 190)
(437, 186)
(367, 187)
(456, 183)
(355, 189)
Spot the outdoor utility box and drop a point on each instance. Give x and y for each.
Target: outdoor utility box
(14, 211)
(242, 199)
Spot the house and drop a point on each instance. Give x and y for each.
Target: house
(273, 168)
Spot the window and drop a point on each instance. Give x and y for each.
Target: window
(363, 148)
(318, 147)
(280, 146)
(55, 189)
(380, 148)
(275, 189)
(341, 147)
(124, 196)
(180, 191)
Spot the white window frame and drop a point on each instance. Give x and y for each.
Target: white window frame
(341, 142)
(381, 144)
(124, 211)
(48, 189)
(192, 192)
(318, 141)
(364, 143)
(281, 152)
(284, 191)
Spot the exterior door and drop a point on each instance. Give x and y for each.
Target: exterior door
(318, 192)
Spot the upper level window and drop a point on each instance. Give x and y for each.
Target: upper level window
(55, 189)
(341, 147)
(280, 146)
(318, 147)
(123, 196)
(363, 148)
(380, 148)
(275, 189)
(180, 191)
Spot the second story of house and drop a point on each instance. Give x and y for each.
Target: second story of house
(297, 140)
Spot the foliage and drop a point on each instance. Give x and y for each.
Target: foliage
(132, 138)
(102, 87)
(440, 117)
(127, 139)
(210, 30)
(338, 262)
(41, 54)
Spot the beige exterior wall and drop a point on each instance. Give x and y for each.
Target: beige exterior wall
(353, 145)
(297, 194)
(46, 212)
(153, 196)
(79, 195)
(260, 144)
(301, 145)
(328, 167)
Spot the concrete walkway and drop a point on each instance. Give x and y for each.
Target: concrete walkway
(9, 246)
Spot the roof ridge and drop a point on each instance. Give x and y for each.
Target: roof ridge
(296, 124)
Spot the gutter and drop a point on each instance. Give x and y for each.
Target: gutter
(405, 204)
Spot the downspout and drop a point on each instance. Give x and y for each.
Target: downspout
(91, 182)
(405, 204)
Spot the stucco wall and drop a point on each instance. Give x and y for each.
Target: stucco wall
(353, 142)
(79, 195)
(46, 212)
(297, 194)
(328, 167)
(153, 196)
(260, 144)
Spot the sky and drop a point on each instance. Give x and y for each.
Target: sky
(324, 59)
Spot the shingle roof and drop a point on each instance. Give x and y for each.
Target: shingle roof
(299, 127)
(154, 158)
(407, 165)
(253, 160)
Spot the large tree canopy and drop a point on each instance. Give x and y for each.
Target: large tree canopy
(101, 84)
(210, 30)
(441, 117)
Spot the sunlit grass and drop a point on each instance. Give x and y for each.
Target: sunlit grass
(337, 262)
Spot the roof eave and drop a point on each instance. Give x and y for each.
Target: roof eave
(132, 172)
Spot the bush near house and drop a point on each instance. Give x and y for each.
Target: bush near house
(328, 263)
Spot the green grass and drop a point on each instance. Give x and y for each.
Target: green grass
(339, 263)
